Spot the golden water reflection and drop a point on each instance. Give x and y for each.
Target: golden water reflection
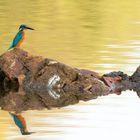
(97, 35)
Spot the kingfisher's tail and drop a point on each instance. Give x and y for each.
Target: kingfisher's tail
(10, 47)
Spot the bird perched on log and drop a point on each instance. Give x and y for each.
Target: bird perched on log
(19, 36)
(21, 123)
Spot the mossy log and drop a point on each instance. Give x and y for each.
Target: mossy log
(30, 82)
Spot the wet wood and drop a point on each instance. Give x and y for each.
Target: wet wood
(33, 82)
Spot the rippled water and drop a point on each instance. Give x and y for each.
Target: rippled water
(99, 35)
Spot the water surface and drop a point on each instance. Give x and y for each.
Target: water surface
(102, 36)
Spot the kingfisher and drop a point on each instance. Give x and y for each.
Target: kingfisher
(21, 123)
(19, 36)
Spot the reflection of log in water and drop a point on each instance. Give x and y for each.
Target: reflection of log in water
(32, 82)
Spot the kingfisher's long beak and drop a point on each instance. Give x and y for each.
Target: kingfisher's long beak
(29, 28)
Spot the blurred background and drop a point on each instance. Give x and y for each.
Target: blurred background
(99, 35)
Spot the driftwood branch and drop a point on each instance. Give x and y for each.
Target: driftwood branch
(32, 82)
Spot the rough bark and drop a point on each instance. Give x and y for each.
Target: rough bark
(33, 82)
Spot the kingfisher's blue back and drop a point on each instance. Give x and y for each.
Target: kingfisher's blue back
(17, 40)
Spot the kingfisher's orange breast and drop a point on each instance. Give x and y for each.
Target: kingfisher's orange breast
(23, 122)
(22, 39)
